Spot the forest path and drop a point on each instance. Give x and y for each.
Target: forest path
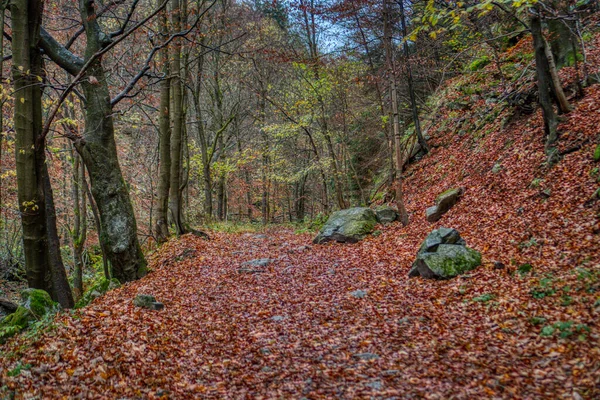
(333, 321)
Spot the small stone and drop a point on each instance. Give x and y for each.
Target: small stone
(267, 369)
(258, 262)
(250, 271)
(367, 356)
(277, 318)
(265, 351)
(498, 265)
(147, 301)
(375, 385)
(386, 214)
(359, 294)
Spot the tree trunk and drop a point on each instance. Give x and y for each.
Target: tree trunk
(79, 226)
(61, 291)
(411, 88)
(28, 128)
(98, 151)
(43, 262)
(395, 115)
(162, 209)
(544, 82)
(98, 224)
(175, 203)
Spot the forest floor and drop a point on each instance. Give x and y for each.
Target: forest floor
(345, 321)
(299, 328)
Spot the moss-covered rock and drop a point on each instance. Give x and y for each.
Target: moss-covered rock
(348, 226)
(447, 262)
(443, 203)
(96, 291)
(597, 153)
(35, 304)
(443, 255)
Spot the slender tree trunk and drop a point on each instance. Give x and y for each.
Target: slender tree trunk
(411, 89)
(79, 226)
(96, 214)
(175, 203)
(555, 84)
(544, 82)
(395, 115)
(162, 209)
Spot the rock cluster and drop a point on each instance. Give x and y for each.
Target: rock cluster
(444, 255)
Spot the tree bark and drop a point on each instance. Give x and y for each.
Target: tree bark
(162, 218)
(544, 82)
(175, 200)
(99, 153)
(398, 153)
(28, 128)
(44, 266)
(79, 226)
(409, 77)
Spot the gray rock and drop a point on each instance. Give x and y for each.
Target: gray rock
(278, 318)
(259, 262)
(443, 254)
(147, 301)
(348, 226)
(359, 294)
(366, 356)
(375, 385)
(386, 214)
(448, 261)
(245, 270)
(443, 203)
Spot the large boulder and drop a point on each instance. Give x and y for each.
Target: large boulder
(34, 305)
(444, 255)
(386, 214)
(443, 203)
(348, 226)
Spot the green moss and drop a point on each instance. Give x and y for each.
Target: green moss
(597, 153)
(479, 63)
(451, 260)
(37, 301)
(448, 192)
(36, 304)
(96, 291)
